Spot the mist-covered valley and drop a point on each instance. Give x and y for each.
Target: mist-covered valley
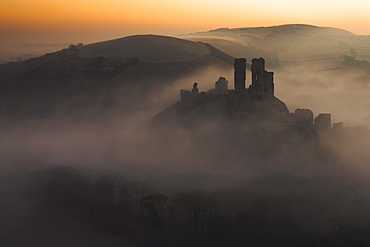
(82, 133)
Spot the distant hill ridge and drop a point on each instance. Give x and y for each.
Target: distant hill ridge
(285, 43)
(149, 48)
(288, 27)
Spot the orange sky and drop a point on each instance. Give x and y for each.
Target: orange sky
(53, 21)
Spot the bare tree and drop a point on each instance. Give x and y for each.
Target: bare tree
(199, 209)
(140, 191)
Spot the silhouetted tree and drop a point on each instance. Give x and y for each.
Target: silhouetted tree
(200, 210)
(140, 191)
(155, 205)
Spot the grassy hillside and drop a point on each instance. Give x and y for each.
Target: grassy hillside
(79, 79)
(286, 43)
(147, 48)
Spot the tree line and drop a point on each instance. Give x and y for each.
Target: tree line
(136, 211)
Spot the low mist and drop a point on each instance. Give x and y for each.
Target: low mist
(123, 140)
(320, 182)
(326, 87)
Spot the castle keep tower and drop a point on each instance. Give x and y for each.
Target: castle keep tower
(258, 68)
(239, 74)
(262, 80)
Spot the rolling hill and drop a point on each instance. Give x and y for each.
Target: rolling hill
(147, 48)
(116, 73)
(286, 43)
(97, 76)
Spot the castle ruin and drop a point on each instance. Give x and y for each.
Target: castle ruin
(260, 93)
(262, 81)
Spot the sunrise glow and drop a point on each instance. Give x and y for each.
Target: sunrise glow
(23, 21)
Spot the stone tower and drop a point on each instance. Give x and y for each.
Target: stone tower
(269, 83)
(258, 72)
(262, 80)
(239, 74)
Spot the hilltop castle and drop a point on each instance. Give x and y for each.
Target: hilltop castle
(257, 102)
(261, 88)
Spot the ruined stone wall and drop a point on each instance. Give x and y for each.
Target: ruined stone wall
(195, 91)
(239, 74)
(303, 117)
(221, 86)
(262, 80)
(269, 83)
(323, 121)
(338, 126)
